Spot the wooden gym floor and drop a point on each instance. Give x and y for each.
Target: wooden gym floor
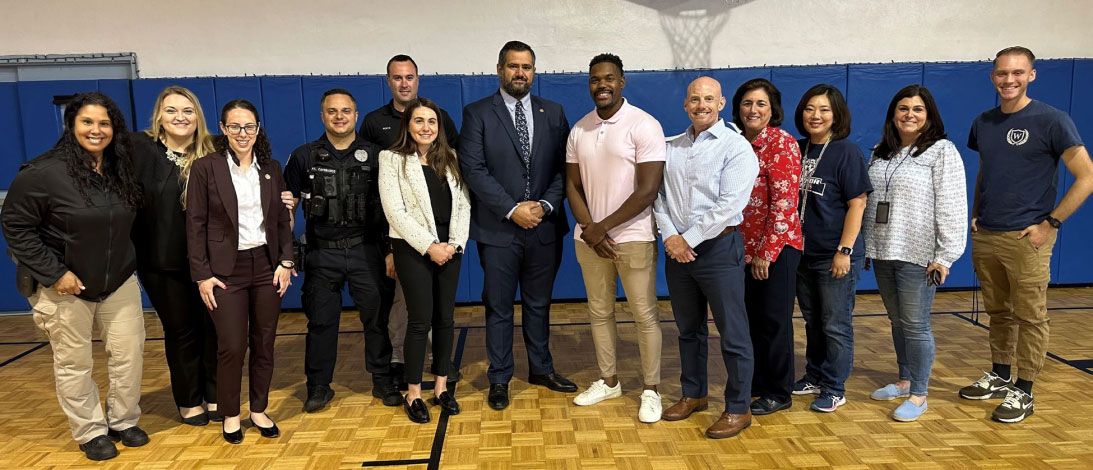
(543, 429)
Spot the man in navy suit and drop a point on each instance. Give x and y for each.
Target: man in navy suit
(512, 155)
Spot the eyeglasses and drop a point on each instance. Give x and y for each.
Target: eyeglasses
(235, 129)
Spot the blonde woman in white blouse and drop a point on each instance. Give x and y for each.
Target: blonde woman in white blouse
(429, 212)
(915, 228)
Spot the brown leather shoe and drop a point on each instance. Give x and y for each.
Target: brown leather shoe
(729, 425)
(684, 407)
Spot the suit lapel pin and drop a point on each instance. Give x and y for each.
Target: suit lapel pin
(541, 110)
(267, 176)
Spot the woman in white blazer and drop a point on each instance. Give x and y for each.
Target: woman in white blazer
(429, 212)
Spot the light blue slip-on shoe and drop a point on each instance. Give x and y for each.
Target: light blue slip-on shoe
(908, 411)
(890, 392)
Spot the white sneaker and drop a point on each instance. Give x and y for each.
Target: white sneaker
(597, 392)
(650, 407)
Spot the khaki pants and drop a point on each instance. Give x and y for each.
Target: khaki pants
(68, 321)
(1014, 276)
(636, 265)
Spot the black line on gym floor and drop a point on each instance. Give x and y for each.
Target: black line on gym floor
(441, 425)
(392, 463)
(24, 353)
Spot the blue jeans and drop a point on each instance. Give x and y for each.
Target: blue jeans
(827, 304)
(907, 298)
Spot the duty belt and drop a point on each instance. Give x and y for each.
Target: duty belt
(343, 243)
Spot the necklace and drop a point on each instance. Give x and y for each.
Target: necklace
(177, 158)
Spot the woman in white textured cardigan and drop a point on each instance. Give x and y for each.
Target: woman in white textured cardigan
(915, 225)
(429, 211)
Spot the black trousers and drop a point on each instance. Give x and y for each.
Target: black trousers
(326, 272)
(430, 302)
(189, 335)
(770, 316)
(246, 316)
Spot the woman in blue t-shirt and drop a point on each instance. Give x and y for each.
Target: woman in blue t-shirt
(834, 185)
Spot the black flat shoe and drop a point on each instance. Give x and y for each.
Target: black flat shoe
(446, 402)
(416, 411)
(234, 437)
(498, 397)
(766, 405)
(130, 437)
(554, 382)
(200, 419)
(270, 432)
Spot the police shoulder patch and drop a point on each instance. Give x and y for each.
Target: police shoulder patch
(361, 155)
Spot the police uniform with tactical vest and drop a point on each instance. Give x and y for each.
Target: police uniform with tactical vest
(345, 241)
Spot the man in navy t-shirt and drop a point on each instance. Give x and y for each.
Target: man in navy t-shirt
(1014, 224)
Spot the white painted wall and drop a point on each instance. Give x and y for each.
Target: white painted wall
(237, 37)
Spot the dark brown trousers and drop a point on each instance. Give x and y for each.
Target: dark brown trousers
(246, 314)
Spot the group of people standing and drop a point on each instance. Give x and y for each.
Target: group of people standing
(750, 219)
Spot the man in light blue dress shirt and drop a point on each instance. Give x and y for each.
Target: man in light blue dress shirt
(708, 179)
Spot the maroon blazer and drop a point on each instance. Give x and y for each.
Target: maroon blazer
(212, 216)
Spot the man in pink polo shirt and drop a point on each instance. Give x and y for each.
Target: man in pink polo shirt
(614, 164)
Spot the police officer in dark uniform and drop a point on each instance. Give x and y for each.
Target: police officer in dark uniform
(381, 127)
(335, 179)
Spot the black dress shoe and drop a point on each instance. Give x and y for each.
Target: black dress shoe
(99, 448)
(766, 405)
(498, 397)
(131, 437)
(317, 397)
(446, 402)
(269, 432)
(386, 390)
(215, 416)
(200, 419)
(554, 382)
(416, 411)
(234, 437)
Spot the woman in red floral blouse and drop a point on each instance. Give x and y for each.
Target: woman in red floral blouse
(772, 242)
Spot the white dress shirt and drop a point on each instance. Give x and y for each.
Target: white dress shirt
(248, 193)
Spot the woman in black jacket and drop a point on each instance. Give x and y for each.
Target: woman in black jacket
(67, 219)
(162, 156)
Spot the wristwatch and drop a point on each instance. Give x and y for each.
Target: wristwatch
(545, 206)
(288, 264)
(1053, 222)
(846, 250)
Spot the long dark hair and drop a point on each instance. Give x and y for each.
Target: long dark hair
(840, 112)
(774, 97)
(117, 160)
(932, 131)
(440, 157)
(262, 149)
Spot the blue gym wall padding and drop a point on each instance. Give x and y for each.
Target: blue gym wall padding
(289, 107)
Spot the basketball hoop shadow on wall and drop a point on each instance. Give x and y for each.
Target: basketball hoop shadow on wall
(691, 26)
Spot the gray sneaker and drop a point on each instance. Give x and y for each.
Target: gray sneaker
(989, 386)
(1015, 408)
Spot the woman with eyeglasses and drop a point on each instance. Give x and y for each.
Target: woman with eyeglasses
(163, 155)
(916, 226)
(67, 218)
(240, 251)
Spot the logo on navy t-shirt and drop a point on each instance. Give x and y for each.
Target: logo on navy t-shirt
(1017, 136)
